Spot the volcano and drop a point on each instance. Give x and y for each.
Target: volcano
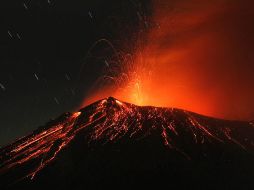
(115, 144)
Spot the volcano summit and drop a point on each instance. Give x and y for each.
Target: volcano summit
(118, 144)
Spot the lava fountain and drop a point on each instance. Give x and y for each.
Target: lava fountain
(193, 59)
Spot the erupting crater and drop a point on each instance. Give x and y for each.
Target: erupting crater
(112, 124)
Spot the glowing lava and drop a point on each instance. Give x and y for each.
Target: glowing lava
(110, 121)
(43, 145)
(193, 59)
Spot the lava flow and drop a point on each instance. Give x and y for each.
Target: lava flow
(42, 145)
(112, 121)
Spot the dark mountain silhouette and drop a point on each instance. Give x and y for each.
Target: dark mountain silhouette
(114, 144)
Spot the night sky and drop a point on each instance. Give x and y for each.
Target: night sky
(198, 55)
(44, 43)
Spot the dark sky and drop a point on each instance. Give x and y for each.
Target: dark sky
(43, 45)
(200, 56)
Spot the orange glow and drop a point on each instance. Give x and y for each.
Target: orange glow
(191, 61)
(110, 120)
(76, 114)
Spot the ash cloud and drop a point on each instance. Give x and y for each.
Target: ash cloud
(203, 59)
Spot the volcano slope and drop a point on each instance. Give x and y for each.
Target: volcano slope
(116, 144)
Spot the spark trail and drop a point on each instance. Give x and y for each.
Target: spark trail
(110, 121)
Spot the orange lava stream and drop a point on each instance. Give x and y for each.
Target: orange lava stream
(39, 146)
(110, 120)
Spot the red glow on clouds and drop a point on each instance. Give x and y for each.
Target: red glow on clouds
(199, 58)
